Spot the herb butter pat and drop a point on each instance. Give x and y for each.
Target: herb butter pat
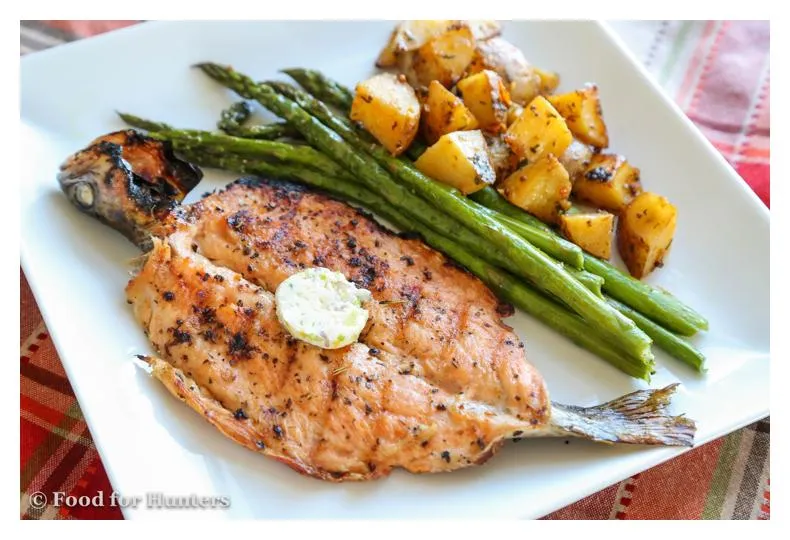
(322, 307)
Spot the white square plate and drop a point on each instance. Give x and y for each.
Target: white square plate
(150, 442)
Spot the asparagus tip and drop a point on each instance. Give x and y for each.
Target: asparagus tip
(128, 118)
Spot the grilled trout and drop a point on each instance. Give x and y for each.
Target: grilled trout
(436, 382)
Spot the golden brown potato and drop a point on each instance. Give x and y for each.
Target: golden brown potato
(609, 182)
(538, 131)
(576, 159)
(549, 80)
(409, 36)
(502, 157)
(443, 112)
(485, 95)
(590, 231)
(459, 159)
(644, 233)
(582, 112)
(388, 108)
(501, 56)
(541, 188)
(444, 58)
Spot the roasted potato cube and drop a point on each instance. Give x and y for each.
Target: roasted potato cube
(549, 80)
(459, 159)
(443, 112)
(508, 62)
(502, 157)
(576, 159)
(444, 58)
(645, 231)
(484, 94)
(590, 231)
(409, 36)
(538, 131)
(388, 108)
(388, 57)
(582, 112)
(609, 182)
(541, 188)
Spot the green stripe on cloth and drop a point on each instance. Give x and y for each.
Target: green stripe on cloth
(721, 478)
(672, 57)
(756, 463)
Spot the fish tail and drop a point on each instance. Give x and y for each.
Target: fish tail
(636, 418)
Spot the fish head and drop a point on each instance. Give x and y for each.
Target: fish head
(128, 181)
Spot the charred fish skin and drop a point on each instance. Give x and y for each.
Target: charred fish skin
(128, 181)
(437, 381)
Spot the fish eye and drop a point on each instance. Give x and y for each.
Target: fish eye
(84, 195)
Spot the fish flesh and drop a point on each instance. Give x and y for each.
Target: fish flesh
(436, 382)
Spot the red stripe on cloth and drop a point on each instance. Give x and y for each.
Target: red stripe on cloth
(697, 58)
(96, 482)
(659, 488)
(710, 59)
(758, 176)
(49, 415)
(31, 437)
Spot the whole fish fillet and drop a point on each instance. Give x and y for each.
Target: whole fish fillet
(436, 382)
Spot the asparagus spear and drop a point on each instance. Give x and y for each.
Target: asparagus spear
(557, 247)
(225, 145)
(591, 281)
(322, 87)
(531, 262)
(658, 305)
(265, 132)
(221, 143)
(490, 198)
(503, 284)
(674, 345)
(143, 123)
(233, 118)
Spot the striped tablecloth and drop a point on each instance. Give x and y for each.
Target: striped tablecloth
(718, 73)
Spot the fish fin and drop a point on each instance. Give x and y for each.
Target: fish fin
(636, 418)
(189, 392)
